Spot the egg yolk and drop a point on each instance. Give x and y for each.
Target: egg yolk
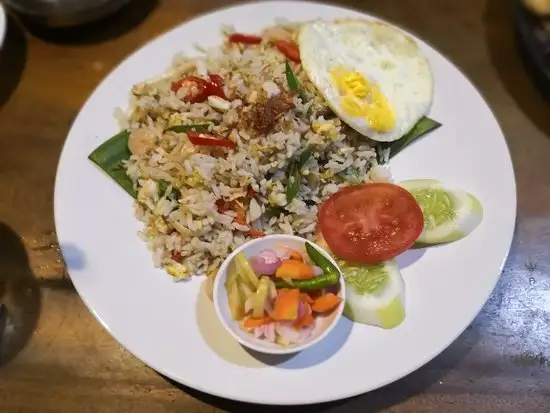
(361, 99)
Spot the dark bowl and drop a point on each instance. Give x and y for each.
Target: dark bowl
(63, 13)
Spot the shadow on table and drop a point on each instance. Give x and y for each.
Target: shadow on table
(19, 294)
(110, 27)
(13, 57)
(512, 64)
(373, 402)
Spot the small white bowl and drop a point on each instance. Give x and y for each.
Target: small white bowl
(323, 326)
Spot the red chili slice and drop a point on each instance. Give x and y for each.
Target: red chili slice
(200, 89)
(244, 38)
(216, 85)
(289, 49)
(202, 139)
(370, 223)
(250, 193)
(176, 256)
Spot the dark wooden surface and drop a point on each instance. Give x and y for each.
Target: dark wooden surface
(61, 360)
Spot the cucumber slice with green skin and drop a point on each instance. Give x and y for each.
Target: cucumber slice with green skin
(449, 214)
(375, 294)
(382, 304)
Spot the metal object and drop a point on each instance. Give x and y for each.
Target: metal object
(64, 13)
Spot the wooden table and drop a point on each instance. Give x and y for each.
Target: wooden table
(62, 360)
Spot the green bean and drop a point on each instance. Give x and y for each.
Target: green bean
(186, 128)
(293, 184)
(295, 174)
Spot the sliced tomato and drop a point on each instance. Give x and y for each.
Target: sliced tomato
(370, 223)
(289, 49)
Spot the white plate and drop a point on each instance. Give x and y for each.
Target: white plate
(156, 319)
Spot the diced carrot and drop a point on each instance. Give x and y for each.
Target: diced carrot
(306, 298)
(223, 206)
(303, 322)
(294, 255)
(252, 322)
(241, 214)
(295, 270)
(286, 305)
(282, 291)
(255, 233)
(325, 303)
(314, 294)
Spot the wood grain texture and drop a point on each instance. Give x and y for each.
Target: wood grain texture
(62, 360)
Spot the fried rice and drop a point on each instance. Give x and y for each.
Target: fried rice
(198, 203)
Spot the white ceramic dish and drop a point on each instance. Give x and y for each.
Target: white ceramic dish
(174, 329)
(325, 325)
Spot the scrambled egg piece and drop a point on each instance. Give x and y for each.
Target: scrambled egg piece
(326, 175)
(177, 270)
(322, 128)
(161, 225)
(194, 180)
(175, 119)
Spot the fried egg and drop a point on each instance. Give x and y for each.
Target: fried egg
(372, 75)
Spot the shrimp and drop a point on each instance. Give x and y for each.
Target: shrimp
(141, 141)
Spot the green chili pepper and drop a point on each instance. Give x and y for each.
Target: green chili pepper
(291, 78)
(423, 126)
(109, 157)
(319, 259)
(187, 128)
(331, 275)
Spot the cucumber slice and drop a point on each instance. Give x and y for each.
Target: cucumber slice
(375, 294)
(449, 214)
(260, 297)
(244, 269)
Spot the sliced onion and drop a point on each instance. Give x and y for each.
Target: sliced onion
(266, 331)
(291, 335)
(258, 331)
(317, 271)
(266, 262)
(282, 253)
(269, 332)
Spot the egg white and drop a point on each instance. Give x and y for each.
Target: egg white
(383, 55)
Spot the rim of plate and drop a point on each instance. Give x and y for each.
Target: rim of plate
(3, 24)
(320, 398)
